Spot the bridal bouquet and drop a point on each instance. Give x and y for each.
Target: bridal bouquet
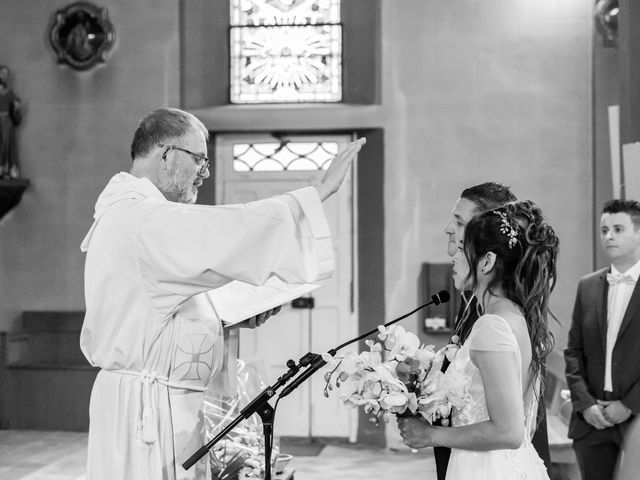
(396, 376)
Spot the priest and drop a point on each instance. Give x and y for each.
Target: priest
(151, 256)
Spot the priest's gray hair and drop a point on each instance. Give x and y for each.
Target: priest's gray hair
(162, 126)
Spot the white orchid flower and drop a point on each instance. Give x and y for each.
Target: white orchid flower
(405, 346)
(372, 358)
(398, 402)
(425, 355)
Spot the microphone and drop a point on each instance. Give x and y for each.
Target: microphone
(317, 363)
(441, 297)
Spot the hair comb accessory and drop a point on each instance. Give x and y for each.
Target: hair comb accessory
(507, 228)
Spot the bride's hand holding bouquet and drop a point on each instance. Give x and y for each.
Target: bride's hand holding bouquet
(395, 376)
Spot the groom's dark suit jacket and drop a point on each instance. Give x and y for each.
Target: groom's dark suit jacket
(540, 439)
(586, 348)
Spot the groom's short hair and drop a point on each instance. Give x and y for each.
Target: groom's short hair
(488, 195)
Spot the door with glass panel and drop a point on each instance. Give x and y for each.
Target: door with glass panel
(254, 166)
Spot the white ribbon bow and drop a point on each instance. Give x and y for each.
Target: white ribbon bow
(618, 278)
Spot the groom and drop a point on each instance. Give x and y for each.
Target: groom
(474, 200)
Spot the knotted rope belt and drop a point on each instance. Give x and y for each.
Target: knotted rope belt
(148, 426)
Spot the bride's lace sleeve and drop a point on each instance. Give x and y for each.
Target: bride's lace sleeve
(492, 333)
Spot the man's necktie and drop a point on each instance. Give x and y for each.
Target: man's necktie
(618, 278)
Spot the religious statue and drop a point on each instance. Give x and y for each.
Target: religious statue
(10, 118)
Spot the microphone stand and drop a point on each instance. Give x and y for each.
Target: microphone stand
(318, 362)
(261, 406)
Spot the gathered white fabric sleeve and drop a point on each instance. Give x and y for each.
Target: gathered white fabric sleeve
(492, 333)
(183, 250)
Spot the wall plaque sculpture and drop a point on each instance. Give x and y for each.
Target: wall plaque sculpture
(81, 35)
(606, 17)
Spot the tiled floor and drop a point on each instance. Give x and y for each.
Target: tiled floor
(30, 455)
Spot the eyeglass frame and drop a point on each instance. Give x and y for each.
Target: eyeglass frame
(196, 157)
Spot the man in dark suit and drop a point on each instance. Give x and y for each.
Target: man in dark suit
(472, 201)
(603, 349)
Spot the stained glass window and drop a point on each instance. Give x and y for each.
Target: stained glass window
(286, 51)
(285, 156)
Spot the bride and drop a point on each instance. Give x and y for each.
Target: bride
(508, 258)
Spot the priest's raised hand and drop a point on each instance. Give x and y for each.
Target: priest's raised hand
(338, 169)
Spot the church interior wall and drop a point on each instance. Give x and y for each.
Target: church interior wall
(473, 92)
(75, 135)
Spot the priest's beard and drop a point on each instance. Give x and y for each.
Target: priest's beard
(178, 188)
(188, 195)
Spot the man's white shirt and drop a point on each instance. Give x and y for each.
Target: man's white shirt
(617, 302)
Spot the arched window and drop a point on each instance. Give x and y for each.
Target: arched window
(285, 51)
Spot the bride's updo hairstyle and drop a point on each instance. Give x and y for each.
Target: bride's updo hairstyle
(526, 249)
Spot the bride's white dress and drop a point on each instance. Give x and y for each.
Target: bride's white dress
(490, 333)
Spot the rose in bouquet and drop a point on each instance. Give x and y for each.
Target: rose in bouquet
(240, 457)
(396, 375)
